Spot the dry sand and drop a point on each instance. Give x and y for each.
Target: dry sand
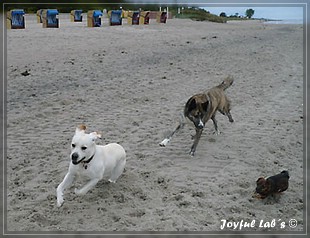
(131, 83)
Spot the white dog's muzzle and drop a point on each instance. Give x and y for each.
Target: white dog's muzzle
(75, 156)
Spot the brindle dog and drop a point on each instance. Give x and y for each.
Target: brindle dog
(202, 107)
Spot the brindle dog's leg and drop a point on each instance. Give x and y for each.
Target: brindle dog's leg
(228, 115)
(197, 138)
(168, 138)
(217, 132)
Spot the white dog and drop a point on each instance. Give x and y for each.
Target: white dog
(93, 161)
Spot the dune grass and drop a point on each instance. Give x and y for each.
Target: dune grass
(200, 15)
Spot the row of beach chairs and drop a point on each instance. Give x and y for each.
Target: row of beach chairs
(49, 17)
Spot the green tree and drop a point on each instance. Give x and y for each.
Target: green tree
(249, 13)
(223, 14)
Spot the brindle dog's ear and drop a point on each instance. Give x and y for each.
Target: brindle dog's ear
(205, 105)
(191, 104)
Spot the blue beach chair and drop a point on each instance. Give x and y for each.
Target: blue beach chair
(50, 18)
(97, 18)
(115, 17)
(76, 15)
(16, 19)
(94, 18)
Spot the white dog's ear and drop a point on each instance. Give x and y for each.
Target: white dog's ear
(95, 135)
(80, 128)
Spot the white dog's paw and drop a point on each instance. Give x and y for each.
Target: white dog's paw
(79, 191)
(164, 142)
(60, 201)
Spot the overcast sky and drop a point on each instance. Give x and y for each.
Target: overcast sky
(279, 13)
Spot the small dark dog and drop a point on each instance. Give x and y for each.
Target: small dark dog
(272, 185)
(202, 107)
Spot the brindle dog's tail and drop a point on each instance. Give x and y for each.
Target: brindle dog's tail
(226, 83)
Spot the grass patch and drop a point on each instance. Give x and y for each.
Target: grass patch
(198, 14)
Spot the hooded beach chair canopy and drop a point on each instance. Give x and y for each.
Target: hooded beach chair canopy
(97, 13)
(51, 16)
(161, 17)
(94, 18)
(18, 12)
(17, 17)
(116, 17)
(97, 20)
(133, 17)
(51, 12)
(144, 17)
(77, 15)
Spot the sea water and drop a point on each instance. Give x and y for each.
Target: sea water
(290, 21)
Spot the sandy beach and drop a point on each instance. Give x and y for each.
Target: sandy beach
(131, 83)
